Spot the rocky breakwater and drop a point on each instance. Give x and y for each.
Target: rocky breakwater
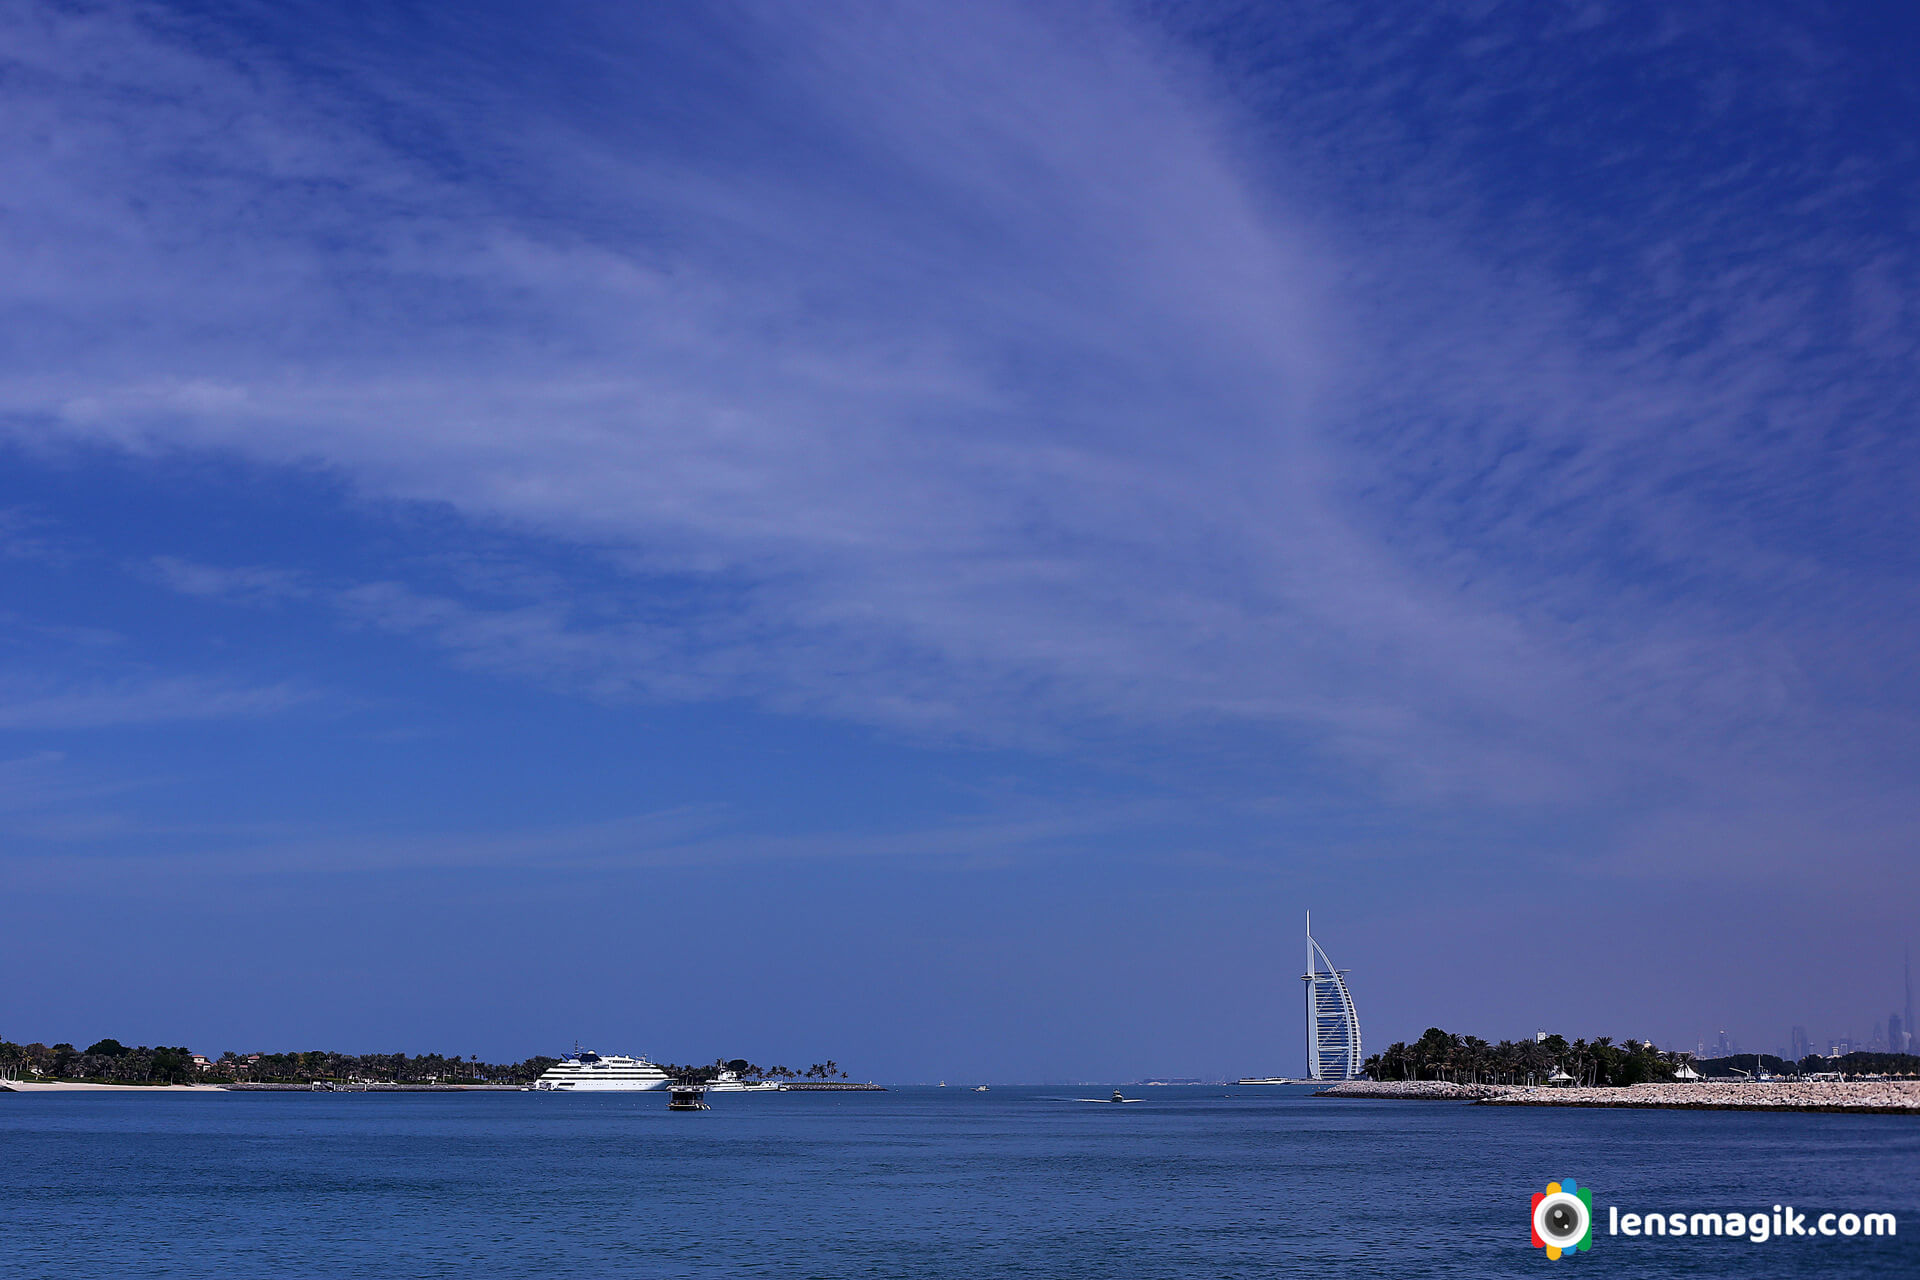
(1877, 1096)
(1873, 1096)
(1442, 1090)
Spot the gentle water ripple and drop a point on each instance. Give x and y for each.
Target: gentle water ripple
(912, 1183)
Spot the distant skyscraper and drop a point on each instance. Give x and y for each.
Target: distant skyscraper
(1333, 1028)
(1896, 1034)
(1877, 1042)
(1726, 1046)
(1802, 1046)
(1908, 1024)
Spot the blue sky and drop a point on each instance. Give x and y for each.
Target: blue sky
(952, 525)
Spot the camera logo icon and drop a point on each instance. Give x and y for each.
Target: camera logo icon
(1563, 1218)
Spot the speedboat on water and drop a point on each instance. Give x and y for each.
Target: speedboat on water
(585, 1071)
(730, 1082)
(686, 1095)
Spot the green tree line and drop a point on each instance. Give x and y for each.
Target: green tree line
(110, 1062)
(1442, 1055)
(828, 1070)
(104, 1060)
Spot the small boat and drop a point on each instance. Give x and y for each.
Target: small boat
(1118, 1096)
(687, 1097)
(980, 1088)
(730, 1082)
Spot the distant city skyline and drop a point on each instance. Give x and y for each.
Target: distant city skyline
(1889, 1035)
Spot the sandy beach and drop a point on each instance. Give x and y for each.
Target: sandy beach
(1877, 1096)
(62, 1086)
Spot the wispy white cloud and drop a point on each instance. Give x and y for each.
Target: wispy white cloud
(16, 631)
(32, 703)
(28, 535)
(996, 370)
(27, 781)
(685, 837)
(247, 584)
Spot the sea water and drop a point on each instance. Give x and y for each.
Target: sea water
(1192, 1182)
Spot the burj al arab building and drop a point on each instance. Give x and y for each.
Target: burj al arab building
(1333, 1028)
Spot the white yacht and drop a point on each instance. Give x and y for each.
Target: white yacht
(585, 1071)
(730, 1082)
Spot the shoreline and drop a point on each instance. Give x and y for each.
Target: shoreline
(377, 1087)
(1849, 1097)
(247, 1086)
(80, 1086)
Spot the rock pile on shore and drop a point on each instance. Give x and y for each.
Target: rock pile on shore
(1441, 1089)
(1734, 1095)
(1740, 1095)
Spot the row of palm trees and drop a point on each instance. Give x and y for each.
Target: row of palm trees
(110, 1061)
(104, 1060)
(828, 1070)
(384, 1068)
(1443, 1055)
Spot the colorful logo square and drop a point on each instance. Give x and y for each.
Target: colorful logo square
(1563, 1218)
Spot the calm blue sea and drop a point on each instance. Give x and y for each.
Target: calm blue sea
(914, 1182)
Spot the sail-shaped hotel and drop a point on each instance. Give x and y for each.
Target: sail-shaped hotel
(1333, 1028)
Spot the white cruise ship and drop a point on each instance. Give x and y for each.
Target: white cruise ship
(585, 1071)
